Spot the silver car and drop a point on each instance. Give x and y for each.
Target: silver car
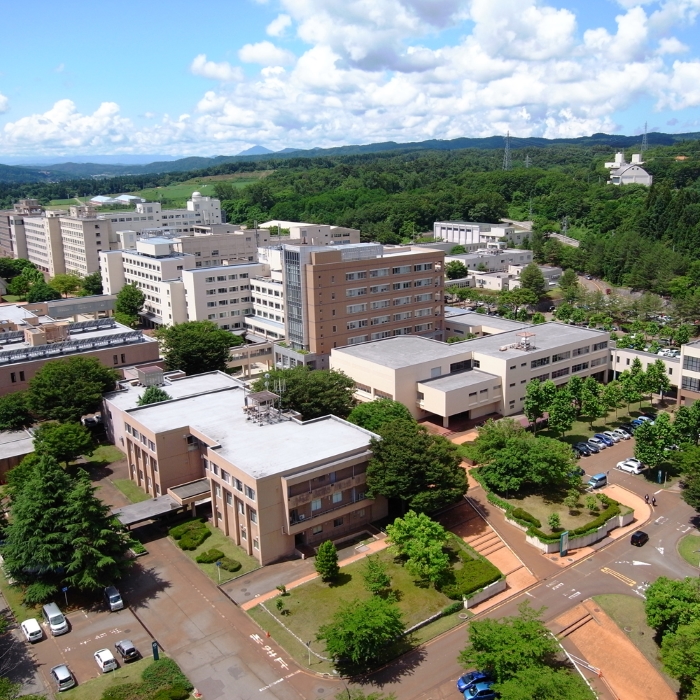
(63, 677)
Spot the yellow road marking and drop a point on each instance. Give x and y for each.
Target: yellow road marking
(623, 578)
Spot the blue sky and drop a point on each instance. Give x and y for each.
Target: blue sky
(203, 79)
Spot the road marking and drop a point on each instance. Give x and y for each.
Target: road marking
(661, 520)
(279, 680)
(621, 577)
(530, 594)
(640, 563)
(659, 491)
(684, 528)
(575, 595)
(661, 549)
(554, 585)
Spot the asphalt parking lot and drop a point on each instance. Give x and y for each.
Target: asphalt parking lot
(90, 630)
(606, 461)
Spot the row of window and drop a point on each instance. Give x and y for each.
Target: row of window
(383, 272)
(386, 303)
(378, 289)
(140, 436)
(559, 357)
(223, 278)
(420, 328)
(226, 477)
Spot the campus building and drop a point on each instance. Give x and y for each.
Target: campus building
(29, 340)
(624, 173)
(689, 389)
(312, 234)
(474, 378)
(277, 484)
(469, 233)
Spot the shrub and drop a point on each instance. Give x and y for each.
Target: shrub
(192, 539)
(179, 530)
(453, 608)
(124, 691)
(228, 564)
(209, 557)
(471, 577)
(164, 673)
(137, 547)
(175, 693)
(520, 514)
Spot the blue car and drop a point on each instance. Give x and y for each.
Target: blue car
(481, 691)
(472, 678)
(636, 422)
(605, 438)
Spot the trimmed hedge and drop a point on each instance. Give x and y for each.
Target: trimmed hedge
(124, 691)
(228, 564)
(473, 576)
(453, 608)
(210, 556)
(175, 693)
(179, 530)
(163, 674)
(192, 539)
(162, 680)
(520, 514)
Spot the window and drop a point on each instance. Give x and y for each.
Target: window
(357, 339)
(460, 366)
(599, 361)
(337, 522)
(225, 476)
(379, 289)
(356, 308)
(240, 508)
(423, 297)
(402, 301)
(253, 515)
(472, 393)
(560, 372)
(422, 267)
(561, 356)
(256, 543)
(383, 304)
(352, 325)
(337, 497)
(401, 285)
(541, 362)
(363, 387)
(403, 270)
(250, 493)
(427, 282)
(483, 391)
(582, 351)
(380, 319)
(403, 316)
(423, 327)
(229, 499)
(382, 272)
(350, 276)
(600, 346)
(381, 334)
(578, 368)
(691, 363)
(691, 384)
(316, 504)
(151, 446)
(21, 376)
(317, 529)
(356, 292)
(217, 490)
(244, 533)
(542, 377)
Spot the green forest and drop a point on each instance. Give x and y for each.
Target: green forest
(645, 238)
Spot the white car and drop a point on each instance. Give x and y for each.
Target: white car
(612, 435)
(631, 465)
(621, 434)
(105, 660)
(32, 630)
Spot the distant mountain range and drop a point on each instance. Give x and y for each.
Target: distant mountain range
(76, 170)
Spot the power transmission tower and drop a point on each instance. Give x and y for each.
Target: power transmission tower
(645, 143)
(565, 225)
(527, 161)
(506, 153)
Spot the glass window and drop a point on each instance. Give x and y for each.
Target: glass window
(316, 504)
(317, 529)
(337, 497)
(253, 516)
(239, 485)
(250, 493)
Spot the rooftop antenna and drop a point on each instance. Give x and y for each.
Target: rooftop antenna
(506, 153)
(645, 143)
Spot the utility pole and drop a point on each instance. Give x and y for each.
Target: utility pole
(506, 153)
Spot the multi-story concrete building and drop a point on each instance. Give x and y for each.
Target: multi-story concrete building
(476, 377)
(276, 484)
(312, 234)
(460, 323)
(10, 217)
(493, 258)
(267, 321)
(624, 173)
(689, 390)
(30, 339)
(40, 236)
(349, 294)
(83, 237)
(469, 233)
(222, 244)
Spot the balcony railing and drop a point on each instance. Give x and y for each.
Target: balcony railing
(303, 498)
(318, 513)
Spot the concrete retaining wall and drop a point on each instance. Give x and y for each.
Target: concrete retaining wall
(485, 593)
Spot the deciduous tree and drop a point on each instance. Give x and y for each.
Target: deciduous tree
(562, 412)
(612, 396)
(372, 415)
(375, 576)
(544, 683)
(680, 654)
(63, 441)
(40, 292)
(153, 394)
(410, 464)
(66, 284)
(532, 278)
(196, 346)
(670, 603)
(91, 284)
(14, 413)
(687, 423)
(326, 562)
(455, 270)
(130, 300)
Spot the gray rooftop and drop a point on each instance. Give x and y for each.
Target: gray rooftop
(471, 318)
(14, 313)
(15, 443)
(459, 380)
(259, 450)
(200, 487)
(146, 510)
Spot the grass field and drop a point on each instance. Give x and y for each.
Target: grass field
(689, 549)
(104, 455)
(628, 613)
(93, 689)
(218, 540)
(13, 595)
(11, 298)
(131, 490)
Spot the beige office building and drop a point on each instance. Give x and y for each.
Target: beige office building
(276, 484)
(689, 390)
(43, 242)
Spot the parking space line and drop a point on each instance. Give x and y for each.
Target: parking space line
(621, 577)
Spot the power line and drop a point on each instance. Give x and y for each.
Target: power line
(506, 153)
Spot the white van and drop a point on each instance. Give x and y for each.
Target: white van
(55, 619)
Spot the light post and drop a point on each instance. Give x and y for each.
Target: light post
(218, 569)
(65, 593)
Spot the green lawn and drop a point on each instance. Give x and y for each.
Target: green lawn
(218, 540)
(131, 490)
(104, 455)
(12, 298)
(628, 613)
(93, 689)
(689, 549)
(314, 604)
(14, 595)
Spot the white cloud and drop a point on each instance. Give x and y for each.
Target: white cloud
(671, 45)
(279, 25)
(223, 71)
(4, 103)
(684, 86)
(266, 54)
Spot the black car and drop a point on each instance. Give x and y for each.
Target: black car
(577, 453)
(593, 447)
(628, 428)
(127, 650)
(639, 538)
(583, 449)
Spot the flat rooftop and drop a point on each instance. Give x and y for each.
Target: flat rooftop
(127, 398)
(404, 351)
(471, 318)
(14, 313)
(15, 443)
(259, 450)
(460, 380)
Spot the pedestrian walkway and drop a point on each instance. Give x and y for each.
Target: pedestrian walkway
(599, 641)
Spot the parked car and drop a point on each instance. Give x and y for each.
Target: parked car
(481, 691)
(636, 422)
(598, 442)
(126, 649)
(648, 416)
(588, 277)
(113, 599)
(622, 433)
(55, 619)
(577, 471)
(631, 465)
(639, 538)
(595, 449)
(612, 435)
(32, 630)
(63, 677)
(598, 481)
(628, 428)
(608, 441)
(644, 419)
(472, 678)
(105, 660)
(583, 448)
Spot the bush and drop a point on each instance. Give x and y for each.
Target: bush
(471, 577)
(179, 530)
(520, 514)
(453, 608)
(209, 557)
(228, 564)
(175, 693)
(164, 673)
(137, 547)
(124, 691)
(192, 539)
